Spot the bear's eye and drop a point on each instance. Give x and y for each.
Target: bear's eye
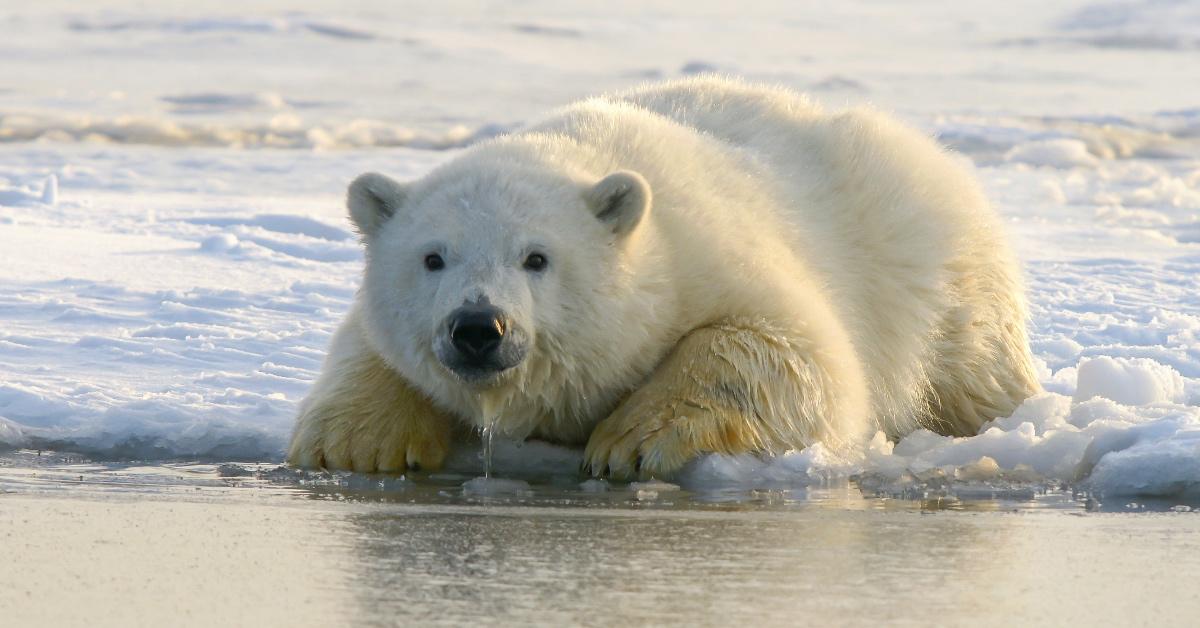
(433, 261)
(535, 262)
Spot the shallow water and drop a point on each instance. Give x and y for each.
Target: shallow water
(194, 544)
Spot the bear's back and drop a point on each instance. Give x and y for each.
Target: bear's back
(737, 113)
(892, 222)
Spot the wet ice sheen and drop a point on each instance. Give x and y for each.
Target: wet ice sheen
(280, 546)
(494, 486)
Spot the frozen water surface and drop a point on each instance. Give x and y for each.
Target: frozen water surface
(174, 258)
(244, 544)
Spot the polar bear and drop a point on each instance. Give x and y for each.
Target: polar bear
(696, 266)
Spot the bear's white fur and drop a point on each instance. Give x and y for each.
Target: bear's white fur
(730, 269)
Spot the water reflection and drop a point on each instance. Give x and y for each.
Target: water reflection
(554, 566)
(220, 545)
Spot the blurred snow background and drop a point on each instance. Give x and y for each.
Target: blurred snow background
(174, 257)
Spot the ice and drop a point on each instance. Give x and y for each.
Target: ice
(27, 194)
(654, 485)
(278, 132)
(531, 459)
(1103, 446)
(652, 489)
(224, 24)
(594, 485)
(698, 67)
(1164, 25)
(1054, 153)
(1132, 382)
(50, 191)
(11, 434)
(215, 102)
(495, 486)
(281, 223)
(174, 254)
(219, 243)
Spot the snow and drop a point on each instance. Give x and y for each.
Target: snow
(1134, 382)
(1053, 153)
(1162, 24)
(174, 254)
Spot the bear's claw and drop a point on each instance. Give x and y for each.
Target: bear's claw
(386, 445)
(655, 446)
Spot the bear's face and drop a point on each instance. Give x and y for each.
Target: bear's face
(476, 278)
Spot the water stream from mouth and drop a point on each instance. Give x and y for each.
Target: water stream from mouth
(489, 406)
(488, 434)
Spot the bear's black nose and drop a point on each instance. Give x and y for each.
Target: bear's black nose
(477, 332)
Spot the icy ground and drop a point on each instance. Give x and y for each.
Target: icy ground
(174, 257)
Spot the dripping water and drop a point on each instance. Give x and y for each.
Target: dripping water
(489, 435)
(489, 406)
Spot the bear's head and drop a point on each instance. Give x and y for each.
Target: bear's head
(489, 275)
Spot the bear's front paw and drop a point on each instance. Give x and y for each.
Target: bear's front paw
(626, 449)
(638, 441)
(369, 444)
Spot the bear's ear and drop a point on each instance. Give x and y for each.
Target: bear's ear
(620, 200)
(372, 199)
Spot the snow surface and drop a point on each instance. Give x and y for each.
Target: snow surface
(174, 256)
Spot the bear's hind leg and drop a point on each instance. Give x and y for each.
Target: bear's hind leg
(735, 387)
(984, 371)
